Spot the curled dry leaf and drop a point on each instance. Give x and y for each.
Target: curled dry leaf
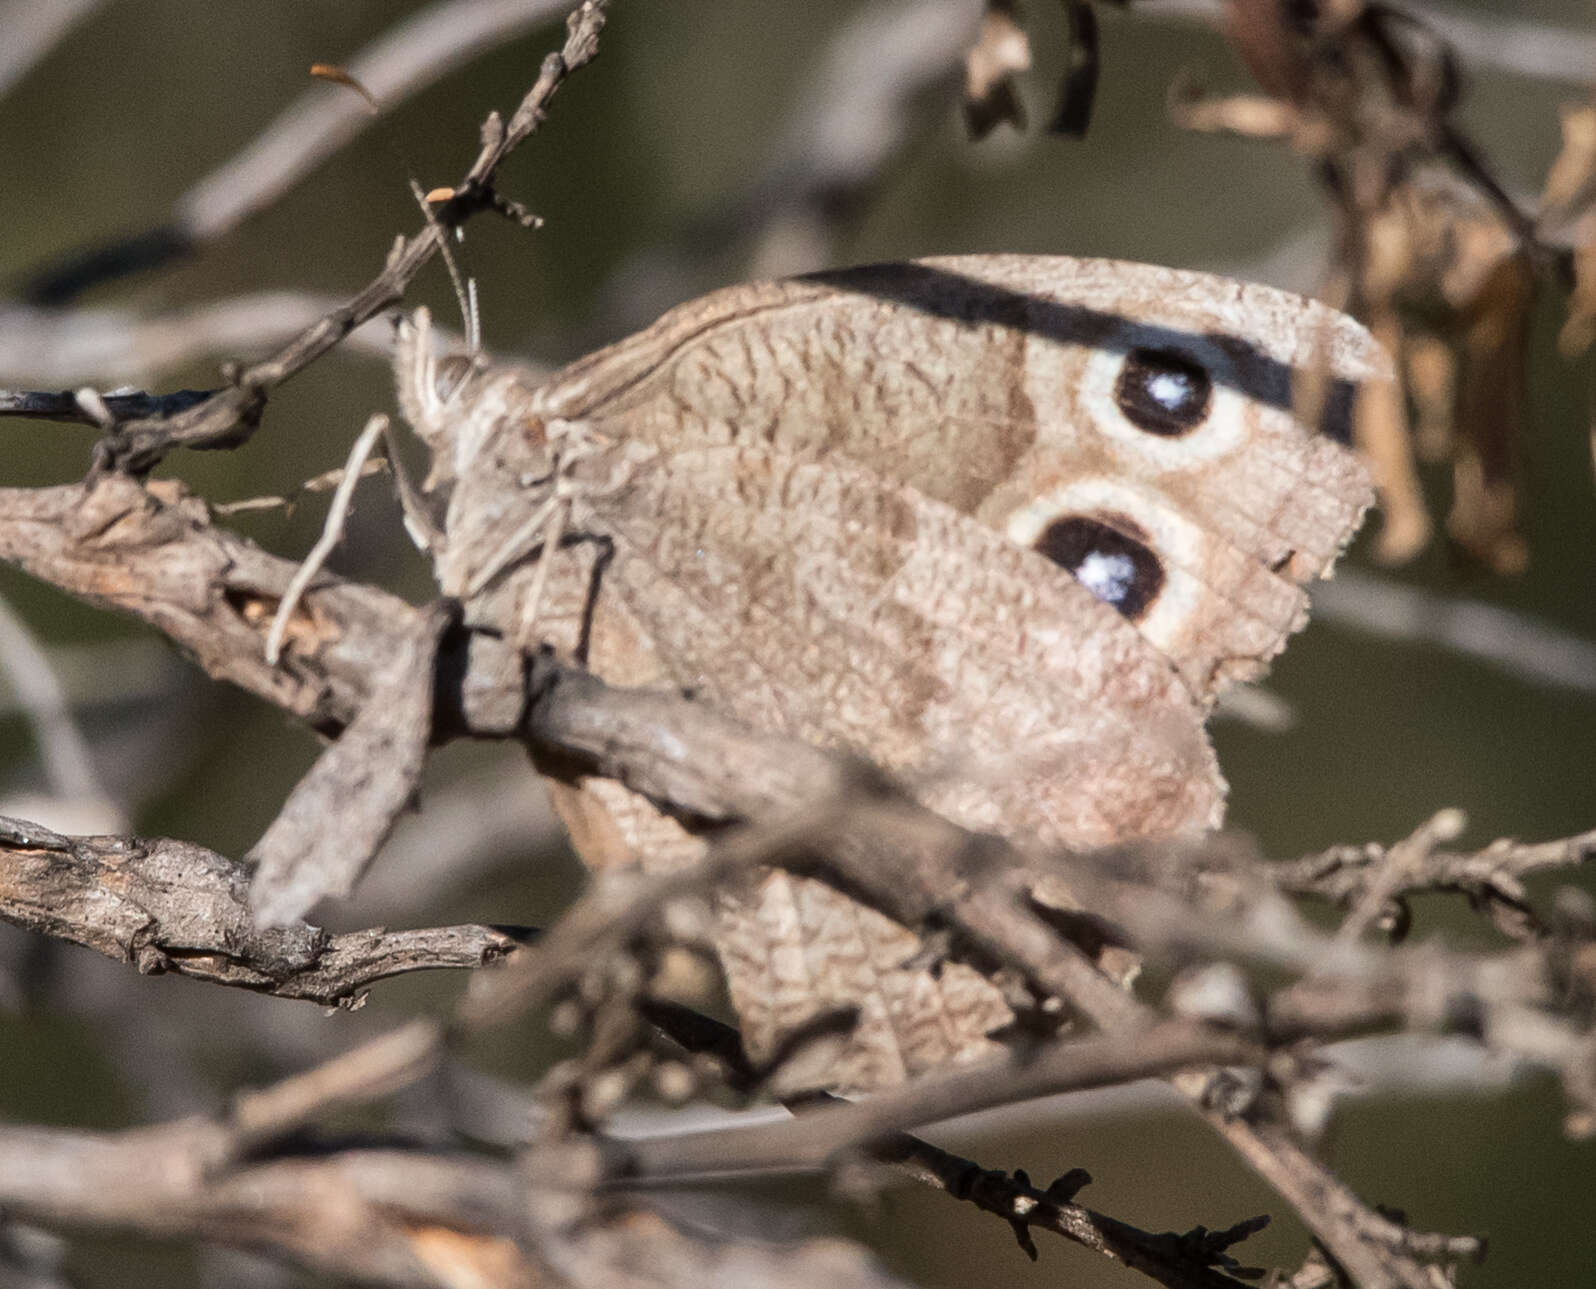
(1430, 250)
(1568, 207)
(1001, 52)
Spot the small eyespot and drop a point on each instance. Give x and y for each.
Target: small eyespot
(1117, 568)
(1162, 392)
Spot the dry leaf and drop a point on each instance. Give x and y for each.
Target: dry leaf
(1001, 52)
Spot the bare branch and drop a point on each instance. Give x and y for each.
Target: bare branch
(114, 347)
(154, 553)
(405, 59)
(816, 1140)
(367, 1214)
(342, 810)
(1492, 877)
(33, 28)
(370, 1212)
(68, 406)
(165, 905)
(229, 417)
(61, 745)
(1529, 650)
(1193, 1261)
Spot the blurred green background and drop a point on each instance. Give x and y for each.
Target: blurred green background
(636, 176)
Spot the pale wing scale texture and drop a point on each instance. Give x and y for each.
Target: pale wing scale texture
(790, 949)
(819, 600)
(986, 381)
(823, 601)
(831, 490)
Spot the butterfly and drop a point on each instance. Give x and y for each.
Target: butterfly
(1005, 524)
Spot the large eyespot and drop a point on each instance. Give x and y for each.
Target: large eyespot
(1163, 392)
(1163, 399)
(1119, 569)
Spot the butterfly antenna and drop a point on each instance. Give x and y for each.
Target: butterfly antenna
(465, 288)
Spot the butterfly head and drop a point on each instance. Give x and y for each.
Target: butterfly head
(494, 455)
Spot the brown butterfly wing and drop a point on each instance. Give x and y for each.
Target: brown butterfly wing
(818, 600)
(1026, 390)
(862, 489)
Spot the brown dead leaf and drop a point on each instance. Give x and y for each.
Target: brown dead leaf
(1001, 52)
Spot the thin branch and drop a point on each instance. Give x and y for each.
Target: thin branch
(1492, 877)
(68, 763)
(33, 28)
(116, 347)
(362, 1214)
(830, 1126)
(366, 1210)
(1528, 649)
(107, 673)
(332, 532)
(815, 1140)
(655, 742)
(170, 906)
(339, 814)
(229, 418)
(67, 405)
(1401, 862)
(405, 59)
(154, 553)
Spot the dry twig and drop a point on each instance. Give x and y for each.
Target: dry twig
(386, 679)
(171, 906)
(229, 418)
(667, 746)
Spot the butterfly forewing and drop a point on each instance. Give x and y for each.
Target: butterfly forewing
(1036, 390)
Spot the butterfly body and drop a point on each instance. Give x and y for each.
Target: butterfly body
(1004, 524)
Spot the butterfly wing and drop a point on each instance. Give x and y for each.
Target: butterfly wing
(1143, 426)
(819, 600)
(861, 494)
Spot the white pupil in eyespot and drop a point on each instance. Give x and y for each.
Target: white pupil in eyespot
(1169, 389)
(1107, 576)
